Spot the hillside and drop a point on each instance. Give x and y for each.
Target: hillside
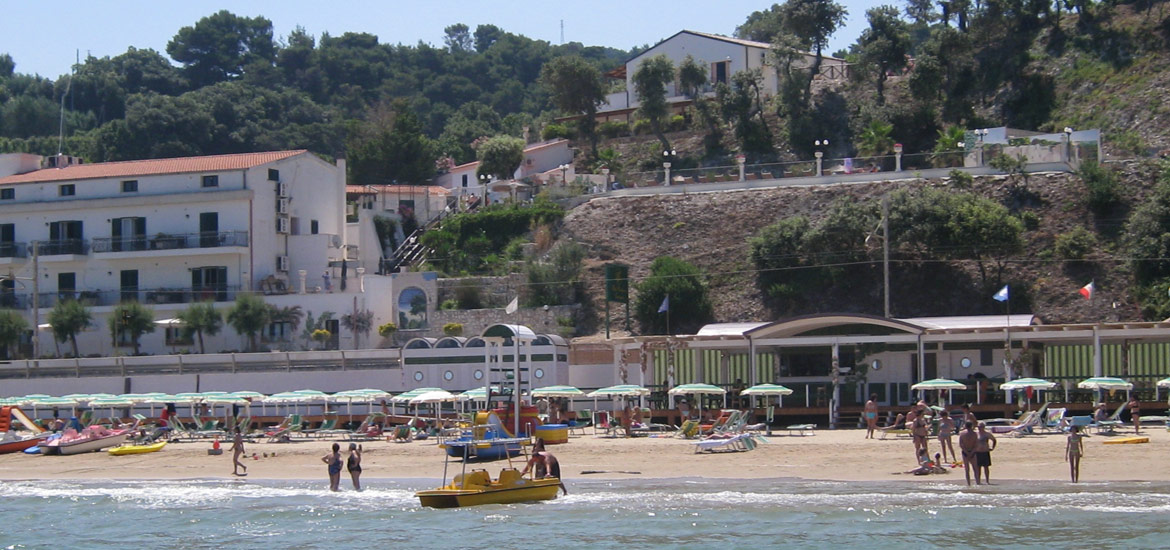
(711, 231)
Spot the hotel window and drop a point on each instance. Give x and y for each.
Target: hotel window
(211, 181)
(720, 71)
(314, 227)
(273, 174)
(7, 194)
(67, 190)
(985, 356)
(130, 186)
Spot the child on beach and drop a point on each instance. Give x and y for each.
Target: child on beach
(237, 452)
(1073, 452)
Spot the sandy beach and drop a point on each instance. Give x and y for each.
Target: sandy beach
(842, 455)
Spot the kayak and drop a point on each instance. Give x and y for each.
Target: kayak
(137, 449)
(1126, 440)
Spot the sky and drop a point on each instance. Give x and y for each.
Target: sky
(45, 37)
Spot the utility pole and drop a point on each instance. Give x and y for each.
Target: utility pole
(36, 302)
(886, 251)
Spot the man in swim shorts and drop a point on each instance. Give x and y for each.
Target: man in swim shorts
(546, 464)
(985, 443)
(871, 411)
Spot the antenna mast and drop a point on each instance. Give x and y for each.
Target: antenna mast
(562, 32)
(61, 128)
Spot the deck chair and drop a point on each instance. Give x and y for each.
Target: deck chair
(1028, 424)
(584, 420)
(1109, 425)
(284, 429)
(734, 424)
(1081, 422)
(765, 425)
(688, 430)
(326, 426)
(728, 443)
(601, 421)
(717, 424)
(1055, 421)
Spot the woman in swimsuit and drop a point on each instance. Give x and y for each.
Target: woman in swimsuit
(871, 411)
(354, 465)
(1073, 452)
(333, 460)
(946, 427)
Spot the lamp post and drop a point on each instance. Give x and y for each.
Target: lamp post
(605, 175)
(980, 134)
(820, 154)
(666, 157)
(897, 157)
(741, 160)
(1068, 145)
(564, 169)
(484, 180)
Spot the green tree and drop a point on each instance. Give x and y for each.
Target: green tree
(500, 156)
(130, 319)
(199, 319)
(577, 89)
(763, 25)
(1147, 235)
(68, 317)
(947, 148)
(389, 147)
(689, 306)
(12, 326)
(650, 80)
(458, 38)
(248, 317)
(359, 323)
(219, 46)
(692, 78)
(473, 120)
(884, 45)
(558, 280)
(742, 105)
(813, 22)
(875, 139)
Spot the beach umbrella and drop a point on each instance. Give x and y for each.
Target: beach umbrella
(368, 395)
(111, 402)
(938, 384)
(1024, 383)
(699, 389)
(42, 400)
(623, 390)
(557, 391)
(768, 389)
(436, 397)
(1105, 383)
(405, 397)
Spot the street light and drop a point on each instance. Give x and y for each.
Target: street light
(819, 154)
(484, 180)
(666, 156)
(897, 157)
(605, 174)
(1068, 144)
(980, 134)
(564, 168)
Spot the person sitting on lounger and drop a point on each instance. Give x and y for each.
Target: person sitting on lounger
(898, 424)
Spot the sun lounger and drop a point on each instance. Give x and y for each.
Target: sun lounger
(688, 430)
(728, 443)
(800, 429)
(1055, 421)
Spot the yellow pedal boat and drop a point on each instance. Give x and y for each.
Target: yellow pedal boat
(477, 487)
(137, 449)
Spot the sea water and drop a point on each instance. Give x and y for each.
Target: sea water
(627, 514)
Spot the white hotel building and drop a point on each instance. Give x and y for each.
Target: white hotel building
(169, 232)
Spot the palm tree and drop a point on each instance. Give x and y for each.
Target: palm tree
(249, 316)
(199, 319)
(875, 140)
(68, 318)
(359, 323)
(950, 140)
(133, 319)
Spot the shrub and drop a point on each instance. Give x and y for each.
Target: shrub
(677, 123)
(449, 304)
(1031, 220)
(642, 127)
(453, 329)
(1101, 186)
(961, 179)
(387, 330)
(556, 131)
(613, 129)
(1075, 244)
(556, 281)
(688, 307)
(467, 296)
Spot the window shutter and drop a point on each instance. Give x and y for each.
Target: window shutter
(116, 227)
(139, 227)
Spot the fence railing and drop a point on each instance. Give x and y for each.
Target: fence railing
(13, 250)
(162, 241)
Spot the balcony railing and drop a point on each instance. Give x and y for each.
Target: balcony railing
(62, 246)
(221, 293)
(13, 250)
(164, 241)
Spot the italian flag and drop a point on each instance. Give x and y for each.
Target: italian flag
(1087, 291)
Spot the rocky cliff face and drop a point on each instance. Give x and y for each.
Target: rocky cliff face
(711, 231)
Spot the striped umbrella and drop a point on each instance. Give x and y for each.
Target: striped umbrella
(701, 389)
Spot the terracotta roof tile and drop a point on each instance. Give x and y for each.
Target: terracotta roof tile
(152, 167)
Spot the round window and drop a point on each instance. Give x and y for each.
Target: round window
(448, 375)
(478, 375)
(418, 376)
(539, 373)
(965, 362)
(876, 365)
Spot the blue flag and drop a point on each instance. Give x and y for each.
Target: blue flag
(1002, 295)
(665, 305)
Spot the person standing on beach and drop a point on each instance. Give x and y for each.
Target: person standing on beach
(968, 440)
(945, 427)
(983, 447)
(333, 461)
(968, 416)
(1135, 414)
(919, 431)
(354, 465)
(237, 452)
(1073, 452)
(871, 411)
